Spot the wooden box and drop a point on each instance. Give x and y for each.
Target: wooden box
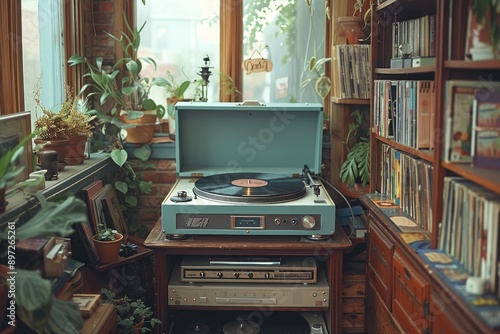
(56, 254)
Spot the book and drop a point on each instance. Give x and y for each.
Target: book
(485, 150)
(459, 101)
(87, 194)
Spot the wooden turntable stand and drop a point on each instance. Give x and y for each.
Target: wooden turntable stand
(168, 254)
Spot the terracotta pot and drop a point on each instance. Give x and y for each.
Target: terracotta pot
(108, 251)
(56, 145)
(75, 153)
(357, 191)
(353, 28)
(143, 131)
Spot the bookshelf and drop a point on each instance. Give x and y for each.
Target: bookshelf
(417, 273)
(341, 107)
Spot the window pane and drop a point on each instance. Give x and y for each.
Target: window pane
(178, 35)
(42, 49)
(287, 33)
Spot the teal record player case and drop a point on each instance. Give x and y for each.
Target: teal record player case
(227, 138)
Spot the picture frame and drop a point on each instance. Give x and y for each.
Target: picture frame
(86, 302)
(15, 127)
(113, 213)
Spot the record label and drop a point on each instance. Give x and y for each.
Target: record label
(250, 183)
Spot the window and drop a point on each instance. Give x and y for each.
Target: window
(180, 34)
(43, 56)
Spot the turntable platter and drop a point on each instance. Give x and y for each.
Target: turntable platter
(250, 188)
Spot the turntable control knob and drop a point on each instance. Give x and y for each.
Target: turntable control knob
(250, 275)
(202, 274)
(219, 274)
(182, 194)
(308, 222)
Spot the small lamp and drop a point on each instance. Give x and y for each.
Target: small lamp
(205, 74)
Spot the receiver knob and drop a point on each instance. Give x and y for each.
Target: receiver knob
(219, 274)
(202, 274)
(308, 222)
(250, 275)
(267, 275)
(236, 275)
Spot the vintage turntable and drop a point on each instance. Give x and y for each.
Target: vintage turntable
(256, 322)
(248, 169)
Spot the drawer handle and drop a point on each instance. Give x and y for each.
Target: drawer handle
(407, 274)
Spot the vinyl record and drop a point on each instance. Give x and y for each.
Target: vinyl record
(249, 187)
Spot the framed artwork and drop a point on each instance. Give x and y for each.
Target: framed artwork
(13, 128)
(113, 213)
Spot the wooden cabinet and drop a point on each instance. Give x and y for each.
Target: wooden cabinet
(420, 252)
(168, 253)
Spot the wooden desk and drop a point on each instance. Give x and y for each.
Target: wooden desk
(167, 253)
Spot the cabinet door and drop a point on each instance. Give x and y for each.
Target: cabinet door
(379, 265)
(410, 297)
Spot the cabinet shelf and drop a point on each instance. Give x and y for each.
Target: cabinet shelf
(405, 71)
(487, 178)
(427, 155)
(472, 65)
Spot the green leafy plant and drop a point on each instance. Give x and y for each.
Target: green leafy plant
(356, 167)
(105, 233)
(133, 315)
(123, 84)
(36, 306)
(71, 118)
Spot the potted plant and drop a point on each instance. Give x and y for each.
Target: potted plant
(355, 170)
(107, 242)
(132, 109)
(78, 131)
(175, 93)
(8, 171)
(133, 316)
(64, 131)
(35, 305)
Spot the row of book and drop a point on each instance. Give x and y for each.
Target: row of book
(407, 181)
(472, 128)
(469, 228)
(351, 71)
(414, 38)
(404, 111)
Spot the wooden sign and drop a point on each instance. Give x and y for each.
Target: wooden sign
(257, 65)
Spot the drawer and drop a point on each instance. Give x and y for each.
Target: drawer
(410, 297)
(379, 266)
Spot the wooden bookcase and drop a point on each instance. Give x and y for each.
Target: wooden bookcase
(405, 291)
(340, 107)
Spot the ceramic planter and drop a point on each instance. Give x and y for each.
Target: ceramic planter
(108, 251)
(144, 128)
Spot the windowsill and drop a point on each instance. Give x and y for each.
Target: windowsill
(72, 179)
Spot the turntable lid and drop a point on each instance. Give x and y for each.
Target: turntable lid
(213, 138)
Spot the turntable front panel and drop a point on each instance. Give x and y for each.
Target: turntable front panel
(305, 216)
